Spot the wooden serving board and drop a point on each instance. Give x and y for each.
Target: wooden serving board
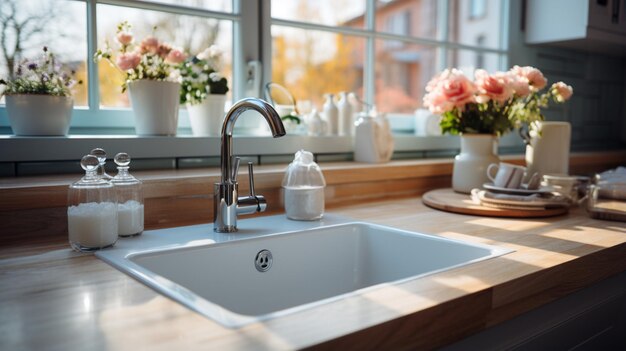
(450, 201)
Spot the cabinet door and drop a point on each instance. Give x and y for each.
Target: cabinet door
(608, 15)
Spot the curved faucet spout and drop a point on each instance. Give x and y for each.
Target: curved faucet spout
(266, 110)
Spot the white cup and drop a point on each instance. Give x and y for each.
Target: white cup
(563, 184)
(506, 175)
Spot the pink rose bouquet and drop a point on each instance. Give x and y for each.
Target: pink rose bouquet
(149, 59)
(492, 103)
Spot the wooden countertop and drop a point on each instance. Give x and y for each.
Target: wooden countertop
(54, 298)
(60, 300)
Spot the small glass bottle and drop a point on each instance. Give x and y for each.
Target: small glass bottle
(129, 197)
(102, 159)
(92, 210)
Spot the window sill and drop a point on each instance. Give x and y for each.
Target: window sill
(73, 147)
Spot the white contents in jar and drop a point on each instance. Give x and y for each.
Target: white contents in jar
(304, 203)
(92, 224)
(130, 218)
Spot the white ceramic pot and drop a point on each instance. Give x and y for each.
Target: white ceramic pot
(547, 149)
(39, 115)
(206, 117)
(373, 141)
(478, 151)
(155, 106)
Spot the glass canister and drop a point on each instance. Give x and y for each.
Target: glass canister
(303, 188)
(129, 198)
(92, 210)
(607, 200)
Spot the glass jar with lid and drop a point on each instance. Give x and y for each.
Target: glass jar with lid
(92, 210)
(129, 198)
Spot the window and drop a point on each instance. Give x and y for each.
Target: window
(478, 8)
(385, 51)
(74, 29)
(480, 56)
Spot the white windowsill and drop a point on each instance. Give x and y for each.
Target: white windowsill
(23, 149)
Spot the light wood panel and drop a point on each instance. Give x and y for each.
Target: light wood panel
(53, 298)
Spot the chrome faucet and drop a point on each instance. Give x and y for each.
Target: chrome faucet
(226, 202)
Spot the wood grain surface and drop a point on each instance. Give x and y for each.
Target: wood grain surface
(59, 299)
(52, 298)
(450, 201)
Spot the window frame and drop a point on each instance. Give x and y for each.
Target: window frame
(252, 41)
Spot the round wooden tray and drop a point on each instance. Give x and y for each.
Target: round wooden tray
(448, 200)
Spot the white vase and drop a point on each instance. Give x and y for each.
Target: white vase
(373, 141)
(331, 114)
(478, 151)
(547, 149)
(39, 115)
(155, 106)
(206, 117)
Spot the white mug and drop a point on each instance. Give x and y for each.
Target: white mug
(506, 175)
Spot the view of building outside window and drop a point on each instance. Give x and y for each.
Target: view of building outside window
(313, 63)
(213, 5)
(26, 26)
(177, 30)
(401, 68)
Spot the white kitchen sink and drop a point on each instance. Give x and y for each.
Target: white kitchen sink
(232, 279)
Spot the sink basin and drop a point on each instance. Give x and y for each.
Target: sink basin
(258, 274)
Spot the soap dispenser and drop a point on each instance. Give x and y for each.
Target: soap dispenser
(129, 197)
(303, 188)
(91, 210)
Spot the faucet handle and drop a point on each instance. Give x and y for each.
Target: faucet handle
(235, 168)
(251, 179)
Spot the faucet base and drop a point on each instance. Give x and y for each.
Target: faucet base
(225, 207)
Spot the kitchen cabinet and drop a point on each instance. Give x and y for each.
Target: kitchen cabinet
(590, 25)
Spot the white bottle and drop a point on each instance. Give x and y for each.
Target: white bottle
(316, 126)
(331, 114)
(346, 121)
(373, 141)
(303, 188)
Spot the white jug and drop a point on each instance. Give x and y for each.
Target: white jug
(373, 141)
(547, 147)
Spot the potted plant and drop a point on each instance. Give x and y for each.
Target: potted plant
(152, 79)
(484, 109)
(39, 97)
(204, 91)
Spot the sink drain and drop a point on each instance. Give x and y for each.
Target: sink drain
(263, 261)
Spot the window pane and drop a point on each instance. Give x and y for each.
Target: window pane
(415, 18)
(29, 25)
(177, 30)
(402, 71)
(466, 27)
(313, 63)
(214, 5)
(469, 60)
(328, 12)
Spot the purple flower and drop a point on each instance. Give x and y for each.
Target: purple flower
(32, 66)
